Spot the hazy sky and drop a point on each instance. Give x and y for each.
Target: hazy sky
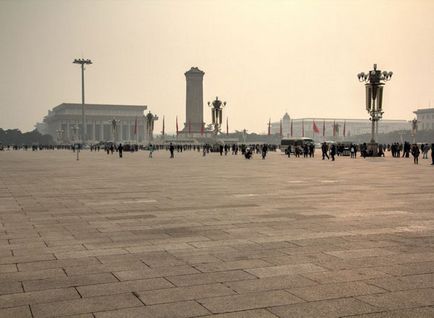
(263, 57)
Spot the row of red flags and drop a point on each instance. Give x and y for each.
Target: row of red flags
(315, 128)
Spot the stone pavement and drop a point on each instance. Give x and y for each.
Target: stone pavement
(214, 236)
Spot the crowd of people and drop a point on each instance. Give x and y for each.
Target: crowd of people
(329, 150)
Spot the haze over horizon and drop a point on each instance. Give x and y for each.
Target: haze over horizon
(264, 58)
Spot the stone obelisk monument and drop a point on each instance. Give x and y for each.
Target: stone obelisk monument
(194, 101)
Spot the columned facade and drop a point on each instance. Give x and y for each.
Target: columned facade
(99, 127)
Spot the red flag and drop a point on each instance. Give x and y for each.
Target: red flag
(189, 127)
(227, 126)
(177, 131)
(315, 127)
(281, 130)
(291, 128)
(135, 127)
(163, 127)
(302, 128)
(323, 128)
(334, 128)
(344, 127)
(269, 127)
(202, 129)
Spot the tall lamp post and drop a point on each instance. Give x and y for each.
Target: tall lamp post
(374, 98)
(82, 62)
(75, 129)
(114, 122)
(217, 113)
(59, 135)
(150, 119)
(414, 129)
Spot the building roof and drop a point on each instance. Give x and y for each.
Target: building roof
(99, 106)
(286, 116)
(424, 110)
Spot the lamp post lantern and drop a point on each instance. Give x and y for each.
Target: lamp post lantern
(374, 100)
(82, 62)
(217, 114)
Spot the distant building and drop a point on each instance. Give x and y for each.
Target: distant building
(131, 124)
(425, 118)
(349, 127)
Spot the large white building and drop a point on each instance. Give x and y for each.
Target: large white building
(131, 124)
(425, 118)
(351, 127)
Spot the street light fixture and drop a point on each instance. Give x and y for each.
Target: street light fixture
(115, 123)
(75, 129)
(414, 129)
(82, 62)
(59, 135)
(374, 98)
(150, 120)
(217, 113)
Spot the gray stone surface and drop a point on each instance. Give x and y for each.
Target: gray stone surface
(214, 236)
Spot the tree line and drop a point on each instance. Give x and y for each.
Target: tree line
(16, 137)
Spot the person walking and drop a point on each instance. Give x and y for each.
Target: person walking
(333, 151)
(324, 151)
(172, 150)
(120, 149)
(264, 151)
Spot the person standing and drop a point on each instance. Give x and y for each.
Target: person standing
(151, 150)
(432, 154)
(415, 152)
(171, 149)
(120, 149)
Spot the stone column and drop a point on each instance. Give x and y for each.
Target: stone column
(94, 131)
(101, 131)
(129, 131)
(68, 131)
(120, 133)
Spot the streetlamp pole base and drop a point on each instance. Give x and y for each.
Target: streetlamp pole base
(372, 149)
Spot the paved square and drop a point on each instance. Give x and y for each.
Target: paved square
(214, 236)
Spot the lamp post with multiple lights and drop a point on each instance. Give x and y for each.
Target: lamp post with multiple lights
(59, 135)
(150, 120)
(82, 62)
(217, 113)
(374, 100)
(414, 129)
(115, 124)
(75, 129)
